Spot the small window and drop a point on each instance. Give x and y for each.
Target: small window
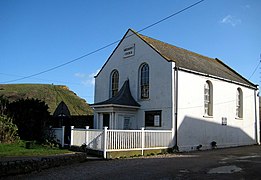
(114, 85)
(239, 103)
(144, 81)
(208, 99)
(152, 118)
(126, 124)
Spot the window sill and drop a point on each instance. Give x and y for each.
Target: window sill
(238, 118)
(144, 99)
(207, 116)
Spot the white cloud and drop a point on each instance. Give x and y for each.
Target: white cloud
(87, 79)
(230, 20)
(80, 75)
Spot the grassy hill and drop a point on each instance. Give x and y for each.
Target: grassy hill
(51, 94)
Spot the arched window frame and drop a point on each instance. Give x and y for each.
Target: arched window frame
(144, 86)
(239, 103)
(208, 99)
(114, 83)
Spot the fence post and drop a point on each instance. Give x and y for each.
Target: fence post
(62, 138)
(142, 141)
(105, 142)
(71, 142)
(86, 135)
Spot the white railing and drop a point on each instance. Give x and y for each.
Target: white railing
(92, 138)
(157, 139)
(122, 140)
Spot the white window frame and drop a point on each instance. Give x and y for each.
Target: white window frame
(208, 99)
(239, 103)
(144, 81)
(114, 83)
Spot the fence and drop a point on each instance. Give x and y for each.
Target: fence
(122, 140)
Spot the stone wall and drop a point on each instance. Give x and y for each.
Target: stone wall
(27, 165)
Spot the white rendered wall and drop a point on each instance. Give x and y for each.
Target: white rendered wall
(128, 68)
(195, 129)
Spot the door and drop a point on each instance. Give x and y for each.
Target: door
(106, 120)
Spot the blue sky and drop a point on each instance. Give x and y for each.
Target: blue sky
(36, 35)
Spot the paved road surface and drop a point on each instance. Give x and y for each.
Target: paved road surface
(232, 163)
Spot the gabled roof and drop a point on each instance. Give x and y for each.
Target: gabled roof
(193, 61)
(123, 98)
(189, 60)
(62, 110)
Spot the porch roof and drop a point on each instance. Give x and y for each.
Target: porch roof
(123, 98)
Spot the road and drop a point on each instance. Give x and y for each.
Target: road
(231, 163)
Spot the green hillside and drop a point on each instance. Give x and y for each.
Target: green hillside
(51, 94)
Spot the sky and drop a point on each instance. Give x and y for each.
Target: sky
(40, 35)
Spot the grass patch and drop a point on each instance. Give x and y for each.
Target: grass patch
(19, 149)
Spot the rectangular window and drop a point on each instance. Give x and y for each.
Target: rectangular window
(153, 118)
(126, 124)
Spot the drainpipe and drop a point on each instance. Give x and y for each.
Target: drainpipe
(176, 148)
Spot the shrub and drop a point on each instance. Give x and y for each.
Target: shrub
(8, 130)
(31, 117)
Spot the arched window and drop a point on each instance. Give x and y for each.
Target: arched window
(114, 85)
(239, 103)
(208, 99)
(144, 81)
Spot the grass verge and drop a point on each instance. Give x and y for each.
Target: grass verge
(19, 149)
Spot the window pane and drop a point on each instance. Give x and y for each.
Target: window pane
(153, 118)
(239, 103)
(114, 83)
(207, 99)
(144, 81)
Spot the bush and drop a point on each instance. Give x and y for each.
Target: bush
(31, 117)
(8, 130)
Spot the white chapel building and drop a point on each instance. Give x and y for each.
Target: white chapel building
(151, 84)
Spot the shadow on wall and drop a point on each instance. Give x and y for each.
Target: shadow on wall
(196, 134)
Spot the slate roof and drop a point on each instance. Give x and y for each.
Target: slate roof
(123, 97)
(193, 61)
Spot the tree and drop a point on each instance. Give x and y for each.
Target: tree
(31, 116)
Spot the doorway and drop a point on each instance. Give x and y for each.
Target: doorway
(106, 120)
